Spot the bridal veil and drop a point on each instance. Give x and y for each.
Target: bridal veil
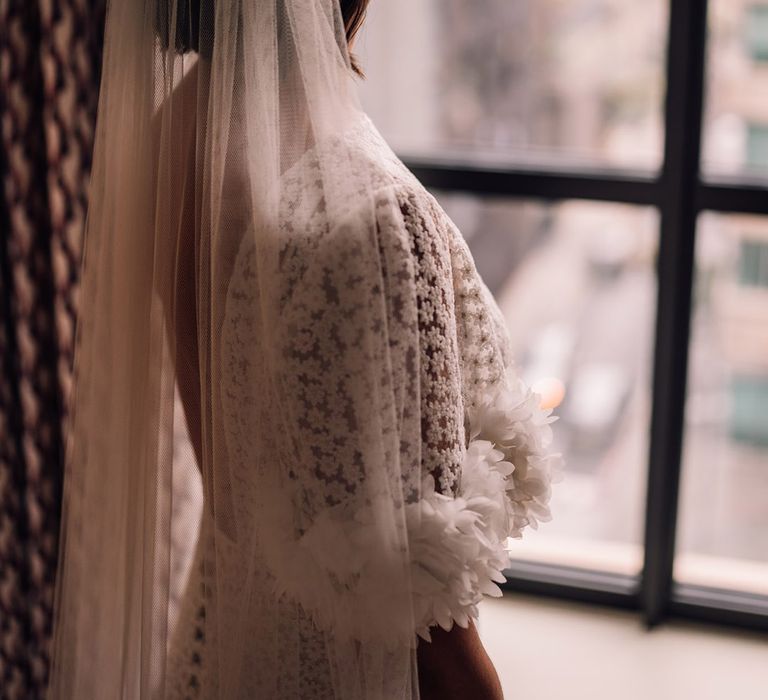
(214, 119)
(250, 326)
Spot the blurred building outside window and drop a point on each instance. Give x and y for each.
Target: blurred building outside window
(576, 82)
(754, 263)
(736, 109)
(723, 533)
(757, 145)
(757, 31)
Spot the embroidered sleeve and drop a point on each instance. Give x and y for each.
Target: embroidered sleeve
(481, 487)
(441, 405)
(371, 384)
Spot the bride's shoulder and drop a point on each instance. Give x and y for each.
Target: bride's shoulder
(353, 181)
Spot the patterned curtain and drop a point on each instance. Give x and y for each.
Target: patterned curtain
(50, 53)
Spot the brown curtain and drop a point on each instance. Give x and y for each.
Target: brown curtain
(50, 53)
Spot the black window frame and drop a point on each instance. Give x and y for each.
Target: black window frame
(680, 192)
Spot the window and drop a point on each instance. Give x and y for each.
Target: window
(576, 283)
(736, 112)
(753, 267)
(723, 539)
(757, 145)
(521, 80)
(573, 145)
(757, 32)
(749, 417)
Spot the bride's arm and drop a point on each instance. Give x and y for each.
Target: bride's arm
(455, 666)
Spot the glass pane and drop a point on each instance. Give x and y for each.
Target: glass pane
(736, 112)
(577, 285)
(576, 81)
(757, 31)
(723, 536)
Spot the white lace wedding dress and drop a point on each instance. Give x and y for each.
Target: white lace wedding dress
(496, 483)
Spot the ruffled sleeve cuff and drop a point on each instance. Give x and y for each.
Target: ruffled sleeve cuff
(458, 545)
(344, 573)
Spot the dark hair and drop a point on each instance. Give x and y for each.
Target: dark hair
(353, 12)
(188, 14)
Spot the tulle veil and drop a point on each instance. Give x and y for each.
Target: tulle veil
(297, 440)
(215, 117)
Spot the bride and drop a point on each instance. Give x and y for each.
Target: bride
(275, 312)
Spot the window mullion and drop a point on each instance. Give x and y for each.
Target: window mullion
(680, 179)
